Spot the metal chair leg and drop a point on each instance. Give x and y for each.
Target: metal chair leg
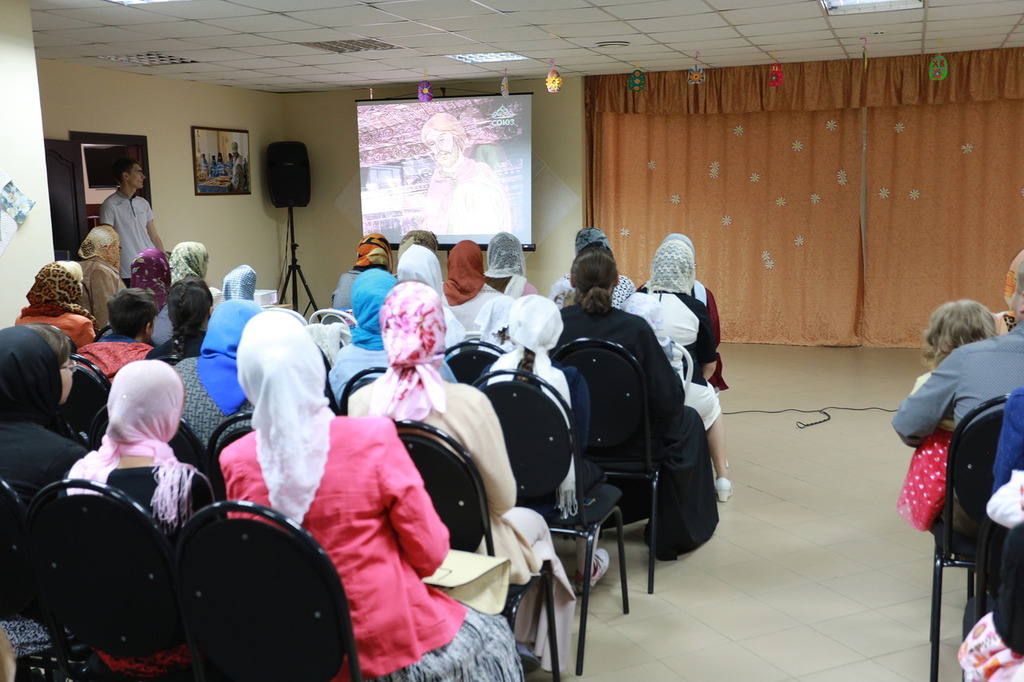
(588, 568)
(654, 534)
(548, 576)
(622, 561)
(936, 615)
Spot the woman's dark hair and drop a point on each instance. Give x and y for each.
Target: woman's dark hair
(188, 306)
(56, 339)
(594, 274)
(526, 364)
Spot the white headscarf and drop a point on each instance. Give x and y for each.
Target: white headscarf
(420, 264)
(493, 319)
(536, 324)
(673, 268)
(282, 373)
(699, 292)
(505, 258)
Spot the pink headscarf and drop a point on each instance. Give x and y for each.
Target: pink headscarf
(144, 407)
(412, 325)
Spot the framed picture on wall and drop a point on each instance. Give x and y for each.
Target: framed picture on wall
(220, 161)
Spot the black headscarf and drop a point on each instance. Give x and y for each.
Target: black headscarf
(30, 383)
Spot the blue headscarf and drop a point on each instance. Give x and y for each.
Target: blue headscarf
(368, 293)
(217, 364)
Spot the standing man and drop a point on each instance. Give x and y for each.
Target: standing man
(131, 216)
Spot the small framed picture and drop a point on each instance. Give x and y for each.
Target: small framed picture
(220, 161)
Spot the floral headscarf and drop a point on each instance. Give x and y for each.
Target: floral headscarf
(55, 292)
(151, 271)
(374, 249)
(465, 272)
(96, 243)
(412, 325)
(189, 259)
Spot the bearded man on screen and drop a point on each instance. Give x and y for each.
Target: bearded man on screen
(464, 196)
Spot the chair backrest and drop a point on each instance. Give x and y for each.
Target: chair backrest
(105, 330)
(89, 391)
(18, 589)
(226, 433)
(103, 570)
(333, 316)
(469, 359)
(453, 483)
(363, 377)
(186, 444)
(618, 391)
(537, 426)
(261, 598)
(972, 452)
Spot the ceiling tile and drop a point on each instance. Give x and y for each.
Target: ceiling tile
(110, 15)
(651, 10)
(786, 12)
(207, 9)
(345, 17)
(416, 10)
(260, 23)
(295, 5)
(692, 22)
(783, 27)
(975, 9)
(55, 21)
(100, 34)
(181, 29)
(233, 40)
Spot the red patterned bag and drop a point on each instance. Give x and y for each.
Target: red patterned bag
(924, 490)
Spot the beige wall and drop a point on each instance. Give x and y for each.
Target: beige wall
(21, 157)
(248, 228)
(236, 229)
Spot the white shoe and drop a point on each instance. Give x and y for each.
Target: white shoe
(600, 567)
(723, 486)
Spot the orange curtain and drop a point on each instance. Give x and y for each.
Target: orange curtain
(945, 198)
(770, 201)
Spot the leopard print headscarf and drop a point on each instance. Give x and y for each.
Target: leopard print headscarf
(54, 293)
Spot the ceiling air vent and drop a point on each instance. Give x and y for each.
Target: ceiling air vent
(148, 59)
(344, 46)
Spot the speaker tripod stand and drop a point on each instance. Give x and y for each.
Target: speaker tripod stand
(294, 274)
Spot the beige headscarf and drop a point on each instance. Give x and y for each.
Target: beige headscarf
(96, 243)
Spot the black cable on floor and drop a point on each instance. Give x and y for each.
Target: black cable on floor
(802, 425)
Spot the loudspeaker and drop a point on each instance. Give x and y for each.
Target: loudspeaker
(288, 174)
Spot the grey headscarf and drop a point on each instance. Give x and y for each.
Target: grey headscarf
(589, 236)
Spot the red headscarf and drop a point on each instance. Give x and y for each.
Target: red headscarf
(465, 272)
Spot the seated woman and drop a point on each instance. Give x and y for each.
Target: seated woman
(424, 238)
(53, 299)
(189, 305)
(101, 257)
(506, 266)
(240, 284)
(151, 271)
(419, 264)
(688, 324)
(373, 252)
(562, 291)
(466, 289)
(191, 260)
(212, 391)
(351, 483)
(493, 322)
(686, 507)
(412, 326)
(367, 349)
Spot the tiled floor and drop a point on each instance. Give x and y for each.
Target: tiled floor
(811, 575)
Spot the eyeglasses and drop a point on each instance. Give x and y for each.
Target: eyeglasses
(71, 366)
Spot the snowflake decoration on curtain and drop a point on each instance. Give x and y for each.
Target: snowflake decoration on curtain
(651, 165)
(713, 169)
(624, 232)
(738, 131)
(899, 127)
(1022, 191)
(831, 125)
(781, 201)
(914, 194)
(884, 193)
(769, 265)
(755, 177)
(841, 177)
(798, 146)
(799, 241)
(675, 198)
(815, 198)
(967, 148)
(766, 255)
(727, 220)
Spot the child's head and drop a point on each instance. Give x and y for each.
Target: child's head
(955, 324)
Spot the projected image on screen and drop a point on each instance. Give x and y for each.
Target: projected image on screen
(458, 166)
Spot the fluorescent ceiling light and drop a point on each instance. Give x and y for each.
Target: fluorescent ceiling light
(836, 7)
(487, 57)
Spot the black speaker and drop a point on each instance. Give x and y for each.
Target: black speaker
(288, 174)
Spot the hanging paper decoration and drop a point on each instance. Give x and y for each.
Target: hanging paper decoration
(554, 79)
(864, 51)
(696, 73)
(504, 85)
(637, 81)
(426, 91)
(938, 68)
(775, 77)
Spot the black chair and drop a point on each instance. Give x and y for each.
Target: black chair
(102, 332)
(89, 391)
(260, 598)
(541, 442)
(363, 377)
(457, 491)
(103, 571)
(618, 410)
(186, 444)
(469, 359)
(969, 478)
(991, 538)
(226, 433)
